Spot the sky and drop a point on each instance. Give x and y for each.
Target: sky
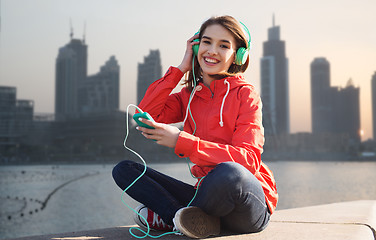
(342, 31)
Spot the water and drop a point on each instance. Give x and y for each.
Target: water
(37, 200)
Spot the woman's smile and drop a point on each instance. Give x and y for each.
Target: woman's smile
(210, 60)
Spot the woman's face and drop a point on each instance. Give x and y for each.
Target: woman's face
(217, 50)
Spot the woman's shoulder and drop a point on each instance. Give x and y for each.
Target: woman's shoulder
(244, 88)
(239, 81)
(184, 92)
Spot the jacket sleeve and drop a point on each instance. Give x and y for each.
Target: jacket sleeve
(158, 101)
(247, 142)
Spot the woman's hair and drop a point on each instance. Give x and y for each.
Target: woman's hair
(235, 28)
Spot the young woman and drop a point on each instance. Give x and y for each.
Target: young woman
(222, 136)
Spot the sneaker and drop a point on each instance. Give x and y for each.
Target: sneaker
(195, 223)
(154, 220)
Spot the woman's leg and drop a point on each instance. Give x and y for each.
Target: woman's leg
(164, 195)
(235, 195)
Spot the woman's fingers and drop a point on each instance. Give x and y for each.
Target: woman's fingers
(163, 134)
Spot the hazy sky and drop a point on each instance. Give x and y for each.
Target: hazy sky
(32, 31)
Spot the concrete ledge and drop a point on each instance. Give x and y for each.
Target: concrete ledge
(358, 212)
(348, 220)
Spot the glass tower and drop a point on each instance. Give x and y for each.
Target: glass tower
(275, 84)
(71, 72)
(148, 72)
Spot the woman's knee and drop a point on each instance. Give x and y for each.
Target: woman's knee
(232, 172)
(121, 168)
(233, 177)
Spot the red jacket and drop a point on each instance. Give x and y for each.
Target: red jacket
(229, 125)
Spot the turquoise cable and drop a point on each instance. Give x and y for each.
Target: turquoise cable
(191, 96)
(146, 234)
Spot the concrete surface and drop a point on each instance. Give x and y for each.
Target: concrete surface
(347, 220)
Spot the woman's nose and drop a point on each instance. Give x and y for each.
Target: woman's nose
(212, 50)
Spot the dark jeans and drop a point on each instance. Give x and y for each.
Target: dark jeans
(229, 191)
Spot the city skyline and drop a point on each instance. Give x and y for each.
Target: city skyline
(31, 35)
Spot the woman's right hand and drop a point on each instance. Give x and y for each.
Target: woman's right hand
(186, 63)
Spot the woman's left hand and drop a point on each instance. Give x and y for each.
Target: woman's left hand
(186, 64)
(163, 134)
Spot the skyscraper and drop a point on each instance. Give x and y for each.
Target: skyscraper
(100, 92)
(86, 107)
(334, 110)
(78, 94)
(148, 72)
(16, 118)
(347, 111)
(373, 93)
(71, 71)
(320, 94)
(7, 111)
(275, 84)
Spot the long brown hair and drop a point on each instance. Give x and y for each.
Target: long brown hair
(235, 28)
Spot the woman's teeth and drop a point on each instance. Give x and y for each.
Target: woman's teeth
(210, 60)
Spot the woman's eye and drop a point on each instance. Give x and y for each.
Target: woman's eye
(206, 42)
(224, 46)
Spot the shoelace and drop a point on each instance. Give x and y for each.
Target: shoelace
(175, 229)
(158, 220)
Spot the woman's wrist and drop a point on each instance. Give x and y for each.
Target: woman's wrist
(183, 69)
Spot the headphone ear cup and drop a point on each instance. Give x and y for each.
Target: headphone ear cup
(241, 56)
(195, 47)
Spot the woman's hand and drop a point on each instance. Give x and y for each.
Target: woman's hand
(186, 63)
(163, 134)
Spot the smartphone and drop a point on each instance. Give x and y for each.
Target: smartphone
(143, 115)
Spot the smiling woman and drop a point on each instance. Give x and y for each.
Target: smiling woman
(223, 137)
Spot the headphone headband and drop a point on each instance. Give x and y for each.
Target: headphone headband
(249, 35)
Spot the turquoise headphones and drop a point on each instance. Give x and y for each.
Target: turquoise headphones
(241, 53)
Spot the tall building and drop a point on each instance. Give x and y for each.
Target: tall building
(373, 93)
(275, 84)
(100, 92)
(88, 120)
(334, 110)
(76, 93)
(24, 115)
(71, 71)
(16, 118)
(346, 111)
(320, 94)
(7, 114)
(148, 72)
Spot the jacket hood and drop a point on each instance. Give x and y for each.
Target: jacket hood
(235, 81)
(219, 86)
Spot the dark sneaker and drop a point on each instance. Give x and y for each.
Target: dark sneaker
(195, 223)
(154, 220)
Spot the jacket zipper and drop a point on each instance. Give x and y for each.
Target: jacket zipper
(212, 93)
(209, 111)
